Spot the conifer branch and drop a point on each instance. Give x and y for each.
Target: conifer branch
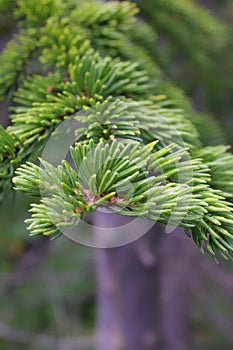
(137, 150)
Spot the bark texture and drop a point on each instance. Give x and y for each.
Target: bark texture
(143, 292)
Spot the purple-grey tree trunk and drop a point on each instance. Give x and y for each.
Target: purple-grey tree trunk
(143, 293)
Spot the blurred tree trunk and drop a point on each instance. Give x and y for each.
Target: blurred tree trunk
(143, 292)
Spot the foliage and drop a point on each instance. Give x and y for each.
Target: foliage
(192, 43)
(137, 151)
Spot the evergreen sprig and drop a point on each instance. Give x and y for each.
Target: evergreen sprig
(137, 150)
(220, 162)
(184, 30)
(130, 180)
(15, 60)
